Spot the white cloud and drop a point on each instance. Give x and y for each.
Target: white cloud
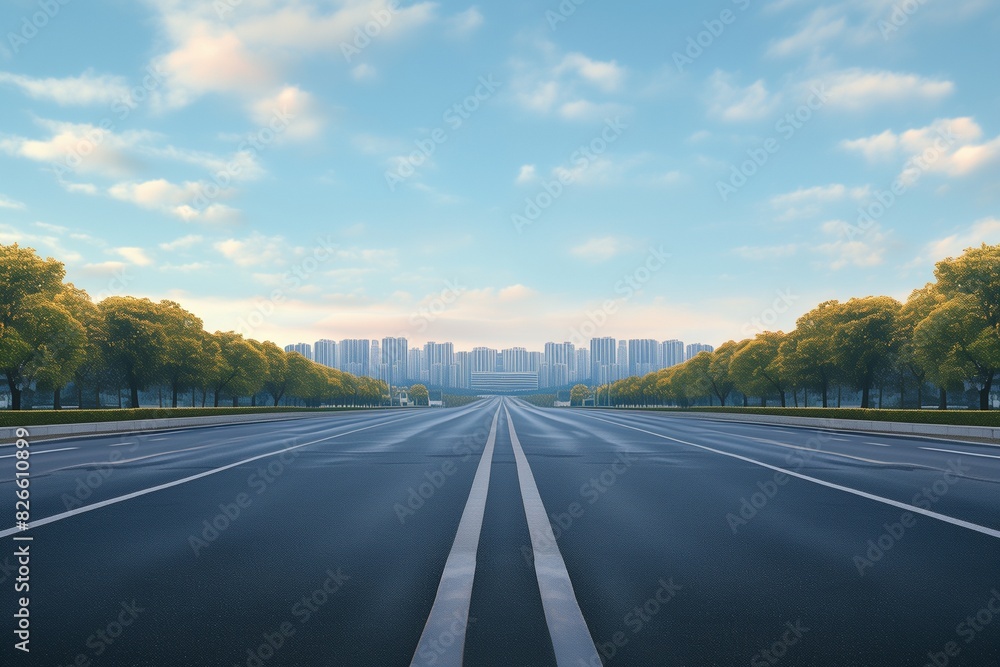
(732, 102)
(808, 202)
(293, 106)
(848, 248)
(256, 250)
(982, 231)
(600, 249)
(50, 240)
(6, 202)
(527, 174)
(467, 22)
(182, 243)
(178, 200)
(82, 148)
(857, 89)
(134, 255)
(85, 89)
(822, 26)
(953, 147)
(605, 75)
(364, 72)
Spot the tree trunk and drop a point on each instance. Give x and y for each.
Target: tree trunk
(826, 391)
(173, 394)
(746, 402)
(902, 391)
(865, 396)
(920, 395)
(216, 398)
(782, 392)
(942, 399)
(984, 395)
(236, 401)
(253, 401)
(763, 401)
(57, 398)
(15, 395)
(133, 393)
(795, 397)
(79, 396)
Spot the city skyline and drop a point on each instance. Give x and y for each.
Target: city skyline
(395, 361)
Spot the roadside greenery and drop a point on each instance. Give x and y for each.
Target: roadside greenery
(52, 334)
(946, 335)
(54, 417)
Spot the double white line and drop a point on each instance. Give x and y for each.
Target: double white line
(571, 640)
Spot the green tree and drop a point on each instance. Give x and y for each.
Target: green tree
(719, 375)
(184, 363)
(976, 273)
(578, 394)
(419, 394)
(808, 354)
(757, 367)
(866, 341)
(134, 341)
(917, 308)
(240, 367)
(276, 380)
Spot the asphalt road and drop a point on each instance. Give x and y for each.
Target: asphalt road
(579, 538)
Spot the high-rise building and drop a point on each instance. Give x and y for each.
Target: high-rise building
(375, 357)
(560, 363)
(483, 360)
(515, 360)
(355, 356)
(583, 366)
(439, 357)
(623, 357)
(416, 365)
(644, 356)
(305, 349)
(463, 364)
(326, 352)
(694, 349)
(672, 353)
(395, 358)
(603, 357)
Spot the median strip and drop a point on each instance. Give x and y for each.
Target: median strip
(571, 639)
(442, 642)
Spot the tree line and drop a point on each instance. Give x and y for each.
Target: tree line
(945, 336)
(53, 335)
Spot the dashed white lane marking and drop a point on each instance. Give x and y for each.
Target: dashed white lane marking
(47, 451)
(571, 639)
(952, 451)
(886, 501)
(442, 642)
(159, 487)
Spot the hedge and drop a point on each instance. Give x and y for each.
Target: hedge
(53, 417)
(949, 417)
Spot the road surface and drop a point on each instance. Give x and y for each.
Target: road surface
(503, 534)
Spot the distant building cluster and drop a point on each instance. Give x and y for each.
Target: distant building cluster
(487, 369)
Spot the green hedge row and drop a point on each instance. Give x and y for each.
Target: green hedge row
(949, 417)
(51, 417)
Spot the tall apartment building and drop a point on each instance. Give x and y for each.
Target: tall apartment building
(355, 356)
(483, 360)
(305, 349)
(694, 349)
(395, 358)
(644, 356)
(583, 367)
(516, 360)
(416, 365)
(603, 358)
(326, 352)
(673, 353)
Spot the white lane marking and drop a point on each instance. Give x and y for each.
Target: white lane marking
(159, 487)
(952, 451)
(47, 451)
(454, 594)
(870, 496)
(138, 458)
(878, 444)
(571, 639)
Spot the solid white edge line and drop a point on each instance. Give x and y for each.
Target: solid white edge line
(136, 494)
(886, 501)
(454, 593)
(571, 639)
(952, 451)
(47, 451)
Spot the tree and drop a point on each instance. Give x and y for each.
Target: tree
(134, 341)
(866, 341)
(976, 273)
(917, 308)
(276, 380)
(240, 367)
(808, 354)
(578, 394)
(719, 374)
(94, 368)
(58, 341)
(757, 367)
(184, 360)
(958, 342)
(419, 394)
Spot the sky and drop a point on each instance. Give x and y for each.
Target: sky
(504, 173)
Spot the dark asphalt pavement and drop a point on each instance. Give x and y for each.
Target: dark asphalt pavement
(688, 542)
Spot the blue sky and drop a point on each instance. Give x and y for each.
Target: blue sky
(280, 172)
